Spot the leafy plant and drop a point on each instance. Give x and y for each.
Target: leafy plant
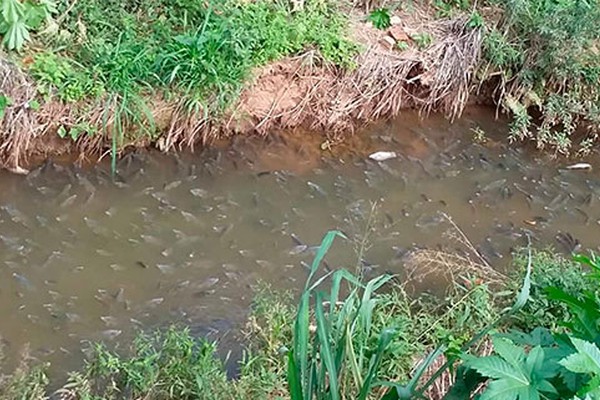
(544, 53)
(423, 40)
(338, 356)
(585, 361)
(514, 373)
(380, 18)
(5, 102)
(167, 365)
(59, 75)
(18, 18)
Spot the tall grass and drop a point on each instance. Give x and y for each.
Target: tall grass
(338, 357)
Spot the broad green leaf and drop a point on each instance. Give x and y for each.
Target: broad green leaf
(535, 360)
(12, 11)
(510, 352)
(503, 389)
(545, 386)
(586, 360)
(16, 36)
(496, 368)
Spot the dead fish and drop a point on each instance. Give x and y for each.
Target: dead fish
(382, 155)
(568, 242)
(65, 190)
(580, 167)
(73, 317)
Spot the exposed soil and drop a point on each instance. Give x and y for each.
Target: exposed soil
(392, 73)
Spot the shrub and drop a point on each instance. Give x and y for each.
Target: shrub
(546, 54)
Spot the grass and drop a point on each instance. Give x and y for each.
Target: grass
(201, 49)
(115, 60)
(551, 270)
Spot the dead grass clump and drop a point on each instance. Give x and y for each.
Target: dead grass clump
(450, 265)
(305, 91)
(423, 263)
(20, 124)
(440, 386)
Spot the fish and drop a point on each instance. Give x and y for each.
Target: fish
(165, 268)
(383, 155)
(68, 201)
(109, 321)
(317, 189)
(580, 167)
(23, 281)
(189, 217)
(111, 334)
(568, 242)
(298, 249)
(171, 186)
(494, 185)
(155, 302)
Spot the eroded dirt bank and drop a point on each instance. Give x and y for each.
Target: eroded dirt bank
(392, 73)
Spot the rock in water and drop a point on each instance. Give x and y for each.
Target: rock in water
(383, 155)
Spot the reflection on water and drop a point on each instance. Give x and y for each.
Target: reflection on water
(183, 239)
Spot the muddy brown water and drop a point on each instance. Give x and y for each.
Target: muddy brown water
(184, 239)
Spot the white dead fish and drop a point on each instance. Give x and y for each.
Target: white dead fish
(580, 167)
(383, 155)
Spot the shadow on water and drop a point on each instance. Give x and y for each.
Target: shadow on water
(183, 238)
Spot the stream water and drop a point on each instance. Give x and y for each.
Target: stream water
(184, 239)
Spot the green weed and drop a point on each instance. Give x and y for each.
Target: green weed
(164, 365)
(19, 18)
(5, 102)
(60, 76)
(551, 270)
(544, 53)
(423, 40)
(380, 18)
